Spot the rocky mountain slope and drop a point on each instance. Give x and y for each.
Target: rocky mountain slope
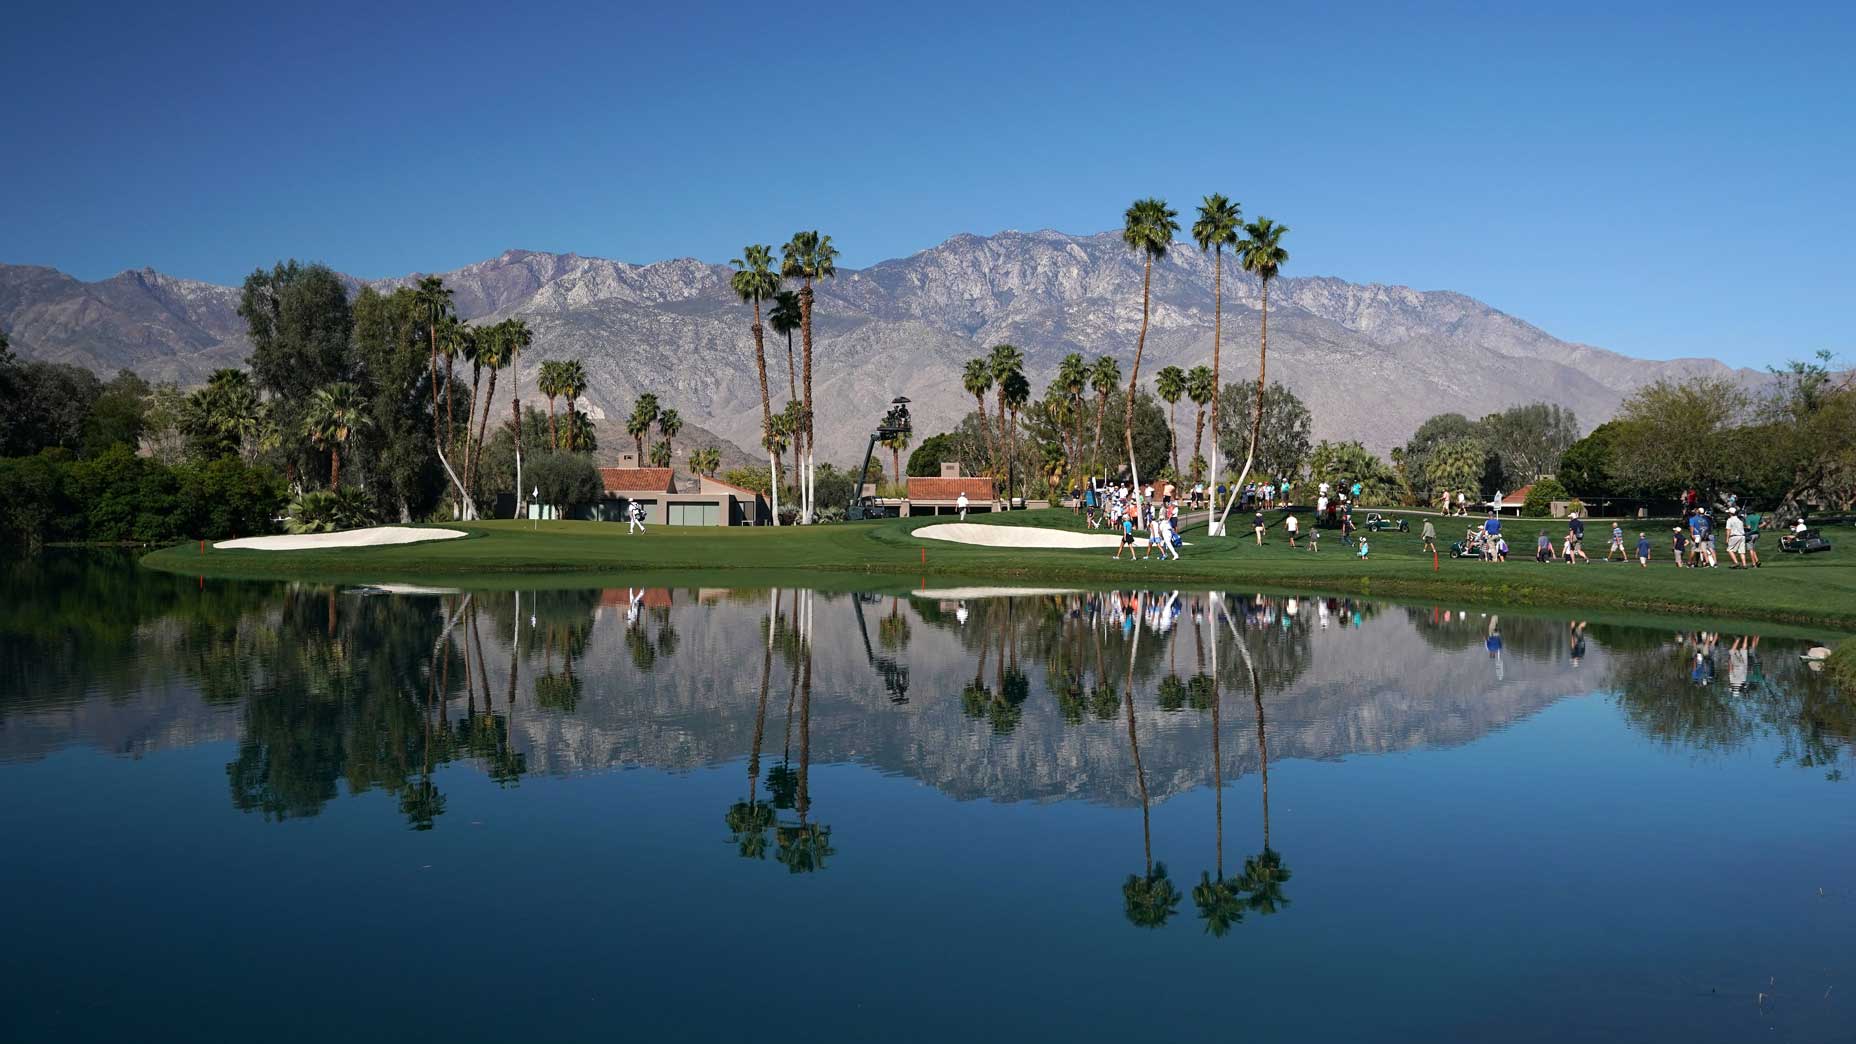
(1372, 361)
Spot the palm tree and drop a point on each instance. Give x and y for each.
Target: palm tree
(495, 349)
(573, 385)
(1262, 255)
(1264, 873)
(1147, 229)
(1104, 377)
(516, 339)
(638, 425)
(1016, 391)
(434, 301)
(669, 423)
(660, 454)
(755, 281)
(896, 444)
(336, 412)
(1216, 228)
(706, 461)
(548, 383)
(1073, 378)
(1202, 389)
(1150, 899)
(459, 339)
(977, 379)
(784, 318)
(1170, 382)
(1005, 361)
(808, 256)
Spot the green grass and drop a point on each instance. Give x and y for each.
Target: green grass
(1818, 591)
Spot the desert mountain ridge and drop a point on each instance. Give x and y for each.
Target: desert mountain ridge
(1371, 360)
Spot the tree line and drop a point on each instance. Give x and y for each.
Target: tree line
(350, 410)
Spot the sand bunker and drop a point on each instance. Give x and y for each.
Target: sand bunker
(1023, 536)
(377, 536)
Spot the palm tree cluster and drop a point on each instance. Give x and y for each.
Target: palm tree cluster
(807, 257)
(1002, 370)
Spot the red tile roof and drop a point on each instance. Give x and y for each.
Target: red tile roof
(978, 490)
(637, 480)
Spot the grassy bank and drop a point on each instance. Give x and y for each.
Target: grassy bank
(1818, 591)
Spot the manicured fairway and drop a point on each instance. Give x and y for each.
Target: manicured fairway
(1819, 590)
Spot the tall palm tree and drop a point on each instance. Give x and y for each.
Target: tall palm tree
(786, 320)
(638, 425)
(755, 281)
(1073, 378)
(516, 339)
(336, 411)
(669, 423)
(496, 350)
(808, 257)
(549, 384)
(1202, 389)
(573, 385)
(1216, 228)
(1170, 382)
(1147, 229)
(459, 339)
(977, 380)
(1005, 360)
(1104, 377)
(434, 303)
(1016, 391)
(706, 461)
(1262, 255)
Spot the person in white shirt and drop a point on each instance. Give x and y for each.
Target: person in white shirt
(1736, 540)
(1290, 525)
(961, 503)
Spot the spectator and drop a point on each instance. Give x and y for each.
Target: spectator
(1643, 551)
(1575, 539)
(1543, 548)
(1736, 540)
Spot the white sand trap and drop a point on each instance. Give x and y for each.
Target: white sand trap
(377, 536)
(1023, 536)
(970, 594)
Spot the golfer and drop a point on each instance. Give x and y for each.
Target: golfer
(1257, 524)
(1289, 524)
(1430, 537)
(961, 503)
(634, 518)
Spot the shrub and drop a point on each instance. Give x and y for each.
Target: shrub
(329, 510)
(566, 480)
(1539, 502)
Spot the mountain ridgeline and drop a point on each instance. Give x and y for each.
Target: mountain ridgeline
(1371, 361)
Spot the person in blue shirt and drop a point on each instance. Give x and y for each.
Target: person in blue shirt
(1492, 531)
(1576, 529)
(1643, 551)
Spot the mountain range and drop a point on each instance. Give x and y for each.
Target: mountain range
(1371, 361)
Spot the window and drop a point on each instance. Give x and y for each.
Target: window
(695, 514)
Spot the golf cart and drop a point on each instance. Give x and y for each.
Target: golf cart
(1808, 542)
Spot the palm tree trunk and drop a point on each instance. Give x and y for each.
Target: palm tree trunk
(1172, 431)
(1134, 377)
(895, 459)
(476, 378)
(449, 437)
(515, 410)
(1134, 744)
(1095, 460)
(335, 465)
(992, 454)
(1003, 464)
(766, 414)
(805, 334)
(1256, 419)
(476, 458)
(554, 439)
(1211, 502)
(1198, 438)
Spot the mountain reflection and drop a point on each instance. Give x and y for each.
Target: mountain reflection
(1121, 697)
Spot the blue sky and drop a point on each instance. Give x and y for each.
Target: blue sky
(1662, 180)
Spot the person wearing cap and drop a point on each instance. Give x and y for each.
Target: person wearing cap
(1736, 540)
(1643, 550)
(1575, 539)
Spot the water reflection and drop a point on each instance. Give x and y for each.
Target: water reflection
(1109, 696)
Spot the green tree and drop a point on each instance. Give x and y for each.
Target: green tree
(396, 454)
(1006, 362)
(1344, 463)
(1585, 468)
(116, 415)
(1458, 464)
(548, 383)
(1147, 229)
(784, 317)
(1202, 389)
(1285, 444)
(706, 461)
(1677, 434)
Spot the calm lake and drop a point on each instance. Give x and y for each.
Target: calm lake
(289, 812)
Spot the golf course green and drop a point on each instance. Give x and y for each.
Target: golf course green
(1817, 591)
